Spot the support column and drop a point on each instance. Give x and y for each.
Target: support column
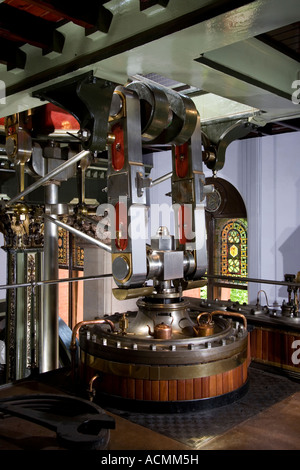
(49, 322)
(23, 303)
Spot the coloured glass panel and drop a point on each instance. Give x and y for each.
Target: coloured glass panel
(231, 247)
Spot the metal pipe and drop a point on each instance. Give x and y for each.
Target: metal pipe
(53, 281)
(78, 233)
(91, 389)
(161, 179)
(257, 301)
(49, 315)
(93, 278)
(247, 279)
(231, 314)
(48, 177)
(73, 347)
(89, 322)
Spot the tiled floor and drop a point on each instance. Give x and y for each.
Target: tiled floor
(197, 429)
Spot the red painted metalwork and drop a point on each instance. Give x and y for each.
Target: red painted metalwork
(117, 148)
(182, 160)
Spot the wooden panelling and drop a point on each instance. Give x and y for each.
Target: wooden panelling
(172, 390)
(169, 390)
(274, 348)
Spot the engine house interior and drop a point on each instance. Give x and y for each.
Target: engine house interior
(149, 222)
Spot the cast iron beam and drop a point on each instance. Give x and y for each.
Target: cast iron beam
(90, 15)
(185, 21)
(22, 27)
(144, 4)
(11, 55)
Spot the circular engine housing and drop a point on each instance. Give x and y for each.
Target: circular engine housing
(184, 371)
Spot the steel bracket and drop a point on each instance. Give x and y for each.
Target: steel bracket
(88, 99)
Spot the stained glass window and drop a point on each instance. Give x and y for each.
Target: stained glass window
(231, 255)
(78, 255)
(64, 251)
(227, 241)
(63, 248)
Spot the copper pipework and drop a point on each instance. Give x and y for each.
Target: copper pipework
(75, 332)
(91, 390)
(88, 322)
(231, 314)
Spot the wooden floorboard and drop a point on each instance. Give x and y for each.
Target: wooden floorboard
(276, 428)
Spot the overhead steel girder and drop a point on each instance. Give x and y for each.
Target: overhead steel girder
(139, 42)
(268, 75)
(26, 28)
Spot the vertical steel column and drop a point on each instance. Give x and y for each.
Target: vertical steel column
(49, 321)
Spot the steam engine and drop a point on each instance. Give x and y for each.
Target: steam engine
(167, 353)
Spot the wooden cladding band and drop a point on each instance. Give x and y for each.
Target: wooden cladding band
(277, 348)
(168, 390)
(171, 390)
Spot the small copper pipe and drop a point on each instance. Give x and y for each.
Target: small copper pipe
(88, 322)
(75, 331)
(231, 314)
(91, 390)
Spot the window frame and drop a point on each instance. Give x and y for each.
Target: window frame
(225, 203)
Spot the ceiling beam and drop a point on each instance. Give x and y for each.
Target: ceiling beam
(278, 46)
(243, 77)
(144, 4)
(89, 15)
(19, 26)
(195, 17)
(11, 55)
